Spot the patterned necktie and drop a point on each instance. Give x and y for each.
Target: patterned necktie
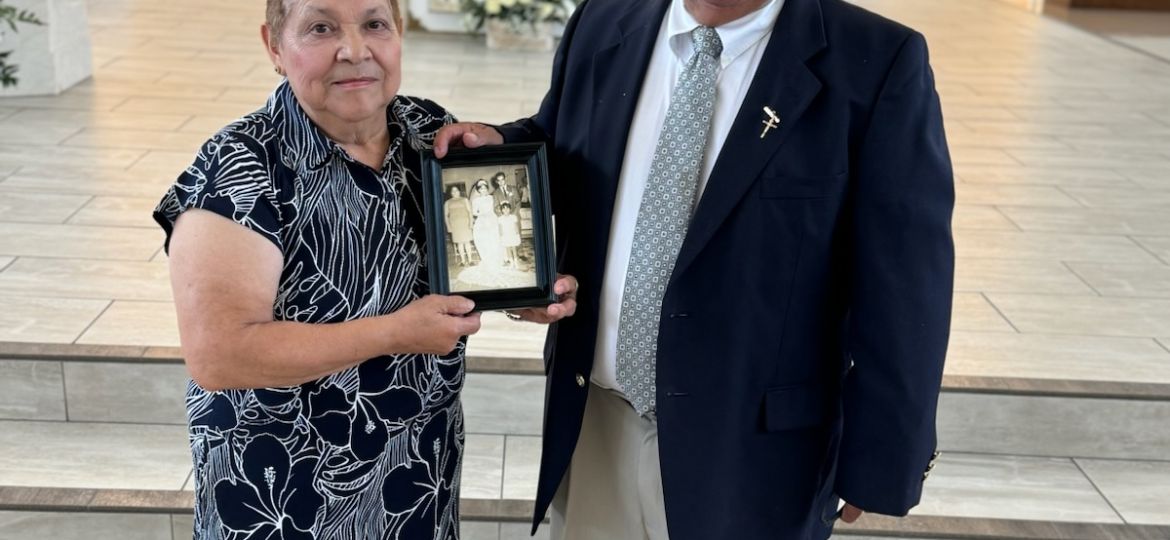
(663, 217)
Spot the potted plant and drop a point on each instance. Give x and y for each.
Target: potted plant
(517, 24)
(10, 16)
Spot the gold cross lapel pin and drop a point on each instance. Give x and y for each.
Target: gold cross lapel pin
(771, 122)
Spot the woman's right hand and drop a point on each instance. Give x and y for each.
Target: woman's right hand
(467, 134)
(433, 324)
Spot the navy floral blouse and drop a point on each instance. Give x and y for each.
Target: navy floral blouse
(371, 452)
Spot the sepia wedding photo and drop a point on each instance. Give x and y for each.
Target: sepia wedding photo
(489, 227)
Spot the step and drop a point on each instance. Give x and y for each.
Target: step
(977, 413)
(77, 469)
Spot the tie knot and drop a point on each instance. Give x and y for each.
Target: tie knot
(707, 41)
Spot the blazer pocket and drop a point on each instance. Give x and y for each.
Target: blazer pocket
(794, 407)
(802, 187)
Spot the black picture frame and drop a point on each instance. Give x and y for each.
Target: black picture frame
(524, 276)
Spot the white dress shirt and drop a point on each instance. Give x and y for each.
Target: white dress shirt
(744, 41)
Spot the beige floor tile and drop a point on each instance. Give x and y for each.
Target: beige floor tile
(523, 531)
(1099, 197)
(1026, 128)
(1148, 177)
(1158, 245)
(192, 66)
(1085, 158)
(1038, 425)
(503, 404)
(87, 278)
(55, 156)
(976, 217)
(207, 126)
(77, 101)
(1050, 356)
(97, 119)
(46, 320)
(1012, 275)
(31, 390)
(1061, 176)
(965, 156)
(479, 530)
(137, 105)
(1008, 487)
(1089, 221)
(130, 138)
(118, 212)
(521, 467)
(164, 163)
(1048, 246)
(483, 467)
(973, 312)
(77, 241)
(183, 527)
(90, 181)
(16, 525)
(1145, 281)
(93, 455)
(13, 132)
(962, 139)
(128, 86)
(1138, 490)
(97, 392)
(1006, 194)
(129, 322)
(1085, 315)
(39, 207)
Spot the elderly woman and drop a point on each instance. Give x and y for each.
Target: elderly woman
(325, 392)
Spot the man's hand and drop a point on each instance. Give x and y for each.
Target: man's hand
(850, 513)
(566, 306)
(466, 134)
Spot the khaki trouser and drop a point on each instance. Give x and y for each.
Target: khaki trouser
(613, 490)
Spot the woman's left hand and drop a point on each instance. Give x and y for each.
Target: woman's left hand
(566, 306)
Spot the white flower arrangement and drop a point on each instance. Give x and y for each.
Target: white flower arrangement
(516, 13)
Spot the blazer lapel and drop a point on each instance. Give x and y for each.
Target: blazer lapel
(783, 83)
(618, 70)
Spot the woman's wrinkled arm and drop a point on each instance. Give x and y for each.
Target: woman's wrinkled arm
(225, 280)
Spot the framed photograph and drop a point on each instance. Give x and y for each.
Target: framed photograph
(489, 226)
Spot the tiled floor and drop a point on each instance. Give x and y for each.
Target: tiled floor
(1061, 143)
(504, 464)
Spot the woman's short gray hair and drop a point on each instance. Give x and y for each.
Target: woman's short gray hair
(277, 10)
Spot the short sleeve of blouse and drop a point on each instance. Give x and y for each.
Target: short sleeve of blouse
(231, 177)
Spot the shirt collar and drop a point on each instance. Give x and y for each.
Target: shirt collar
(737, 36)
(303, 145)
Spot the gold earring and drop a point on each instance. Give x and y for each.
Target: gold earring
(278, 70)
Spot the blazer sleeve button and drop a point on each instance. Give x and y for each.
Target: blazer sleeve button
(580, 380)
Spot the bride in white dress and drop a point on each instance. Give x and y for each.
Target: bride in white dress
(485, 232)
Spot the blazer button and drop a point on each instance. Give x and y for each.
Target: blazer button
(581, 380)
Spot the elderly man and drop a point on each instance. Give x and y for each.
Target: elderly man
(755, 196)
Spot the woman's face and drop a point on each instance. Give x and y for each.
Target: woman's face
(455, 192)
(342, 57)
(481, 188)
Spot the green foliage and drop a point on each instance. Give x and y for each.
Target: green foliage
(10, 16)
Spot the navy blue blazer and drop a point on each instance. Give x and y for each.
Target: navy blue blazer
(804, 328)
